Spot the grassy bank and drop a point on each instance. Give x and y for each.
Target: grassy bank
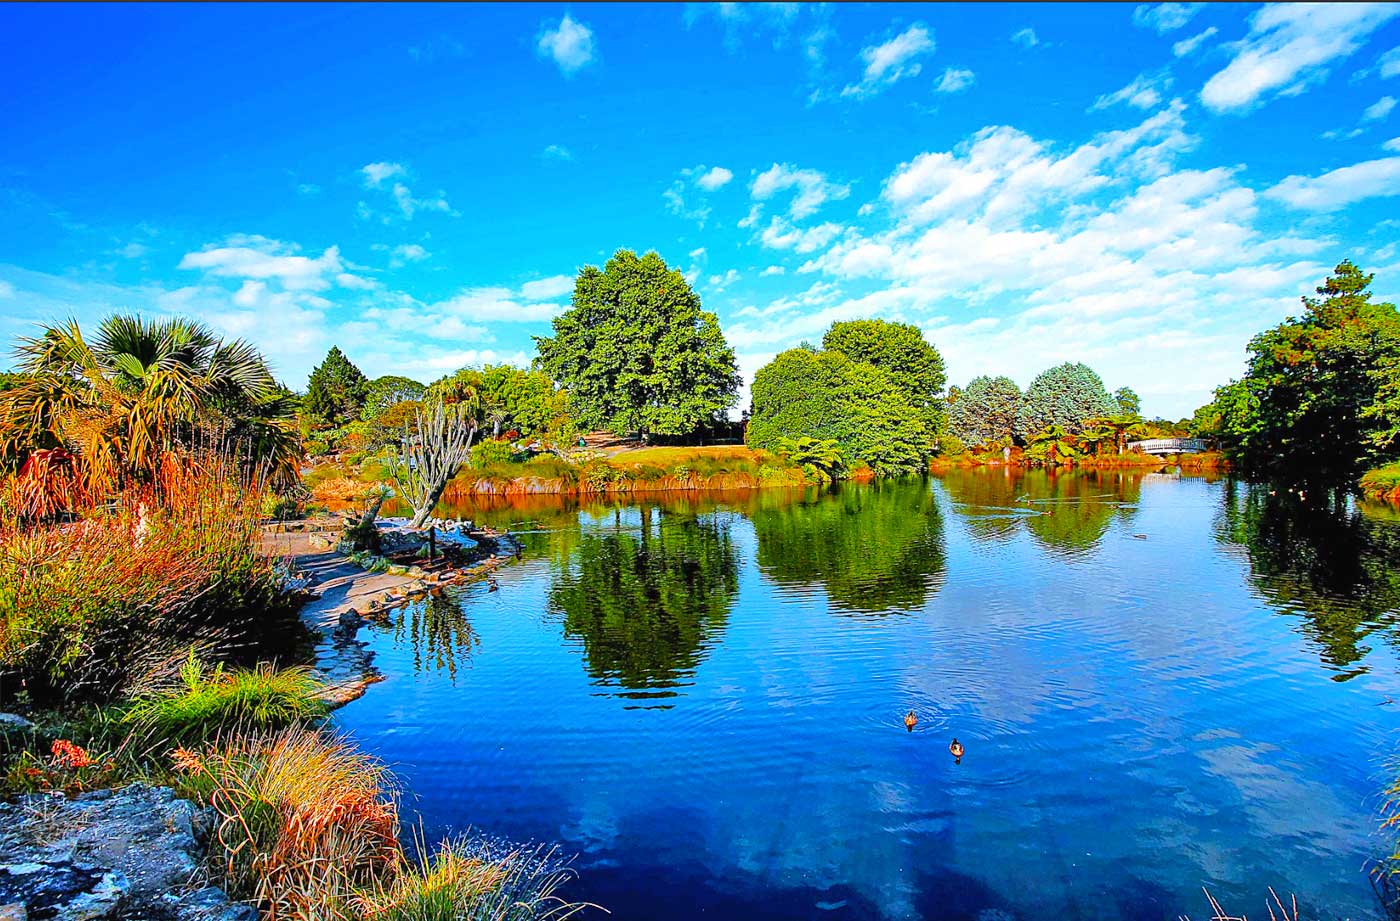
(1382, 483)
(721, 467)
(1210, 461)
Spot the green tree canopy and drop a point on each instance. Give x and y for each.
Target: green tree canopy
(389, 390)
(1128, 402)
(901, 351)
(1318, 397)
(985, 410)
(512, 398)
(336, 392)
(637, 353)
(827, 396)
(1067, 395)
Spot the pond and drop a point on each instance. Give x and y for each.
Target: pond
(1161, 684)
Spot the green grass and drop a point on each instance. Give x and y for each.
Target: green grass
(1382, 482)
(209, 703)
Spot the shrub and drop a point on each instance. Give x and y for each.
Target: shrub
(86, 608)
(489, 452)
(985, 410)
(206, 703)
(1382, 482)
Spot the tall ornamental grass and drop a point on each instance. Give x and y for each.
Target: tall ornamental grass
(308, 828)
(87, 606)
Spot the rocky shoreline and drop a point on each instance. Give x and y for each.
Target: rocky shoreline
(137, 853)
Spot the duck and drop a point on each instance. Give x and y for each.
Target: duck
(491, 585)
(956, 750)
(910, 720)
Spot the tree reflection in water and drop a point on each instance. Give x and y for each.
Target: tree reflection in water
(1067, 513)
(875, 549)
(647, 603)
(1328, 561)
(441, 635)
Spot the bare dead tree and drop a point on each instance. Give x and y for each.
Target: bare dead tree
(435, 447)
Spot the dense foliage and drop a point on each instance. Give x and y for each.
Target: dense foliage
(1321, 397)
(337, 390)
(383, 393)
(1067, 395)
(985, 411)
(827, 396)
(901, 351)
(637, 353)
(1129, 404)
(512, 399)
(118, 403)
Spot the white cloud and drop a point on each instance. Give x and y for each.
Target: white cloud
(1026, 37)
(1014, 253)
(1334, 190)
(1289, 48)
(955, 80)
(720, 282)
(308, 188)
(406, 253)
(811, 188)
(262, 259)
(569, 44)
(1165, 17)
(715, 178)
(1145, 92)
(376, 173)
(1392, 145)
(1389, 63)
(1379, 109)
(546, 289)
(773, 270)
(681, 199)
(557, 152)
(779, 234)
(497, 305)
(892, 61)
(1187, 45)
(132, 250)
(7, 290)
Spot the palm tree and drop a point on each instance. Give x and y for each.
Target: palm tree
(1119, 428)
(141, 388)
(822, 455)
(1053, 444)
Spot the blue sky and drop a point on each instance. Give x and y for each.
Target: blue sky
(1139, 187)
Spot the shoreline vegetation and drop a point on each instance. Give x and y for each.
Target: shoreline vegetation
(149, 632)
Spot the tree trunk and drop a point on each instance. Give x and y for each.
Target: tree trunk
(372, 510)
(422, 513)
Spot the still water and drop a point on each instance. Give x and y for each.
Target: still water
(1161, 683)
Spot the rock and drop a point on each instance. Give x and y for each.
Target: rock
(62, 889)
(209, 904)
(133, 850)
(14, 912)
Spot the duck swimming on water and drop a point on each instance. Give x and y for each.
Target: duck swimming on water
(956, 750)
(910, 720)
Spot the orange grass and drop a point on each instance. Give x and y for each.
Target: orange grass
(86, 607)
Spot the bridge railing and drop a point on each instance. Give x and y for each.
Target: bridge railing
(1168, 446)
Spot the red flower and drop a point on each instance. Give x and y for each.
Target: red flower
(70, 757)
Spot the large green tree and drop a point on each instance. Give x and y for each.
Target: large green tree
(901, 351)
(985, 410)
(1320, 386)
(1068, 395)
(336, 392)
(387, 391)
(827, 396)
(637, 353)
